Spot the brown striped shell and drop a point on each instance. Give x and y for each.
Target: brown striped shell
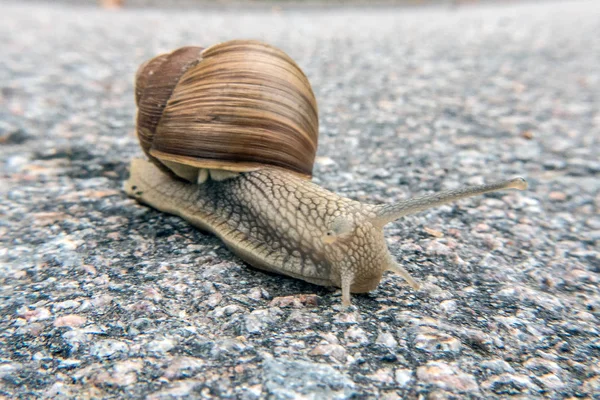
(235, 106)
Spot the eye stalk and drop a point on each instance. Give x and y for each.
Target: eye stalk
(390, 213)
(339, 228)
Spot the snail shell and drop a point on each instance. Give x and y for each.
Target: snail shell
(236, 106)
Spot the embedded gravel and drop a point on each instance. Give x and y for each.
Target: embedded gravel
(101, 297)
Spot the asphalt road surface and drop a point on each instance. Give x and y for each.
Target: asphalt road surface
(101, 297)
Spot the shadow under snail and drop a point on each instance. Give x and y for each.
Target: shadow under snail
(231, 134)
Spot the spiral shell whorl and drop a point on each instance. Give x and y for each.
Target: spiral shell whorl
(154, 83)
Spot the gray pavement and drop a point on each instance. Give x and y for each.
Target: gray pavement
(101, 297)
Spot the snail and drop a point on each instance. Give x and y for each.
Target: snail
(231, 136)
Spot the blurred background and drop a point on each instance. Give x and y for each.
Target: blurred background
(274, 3)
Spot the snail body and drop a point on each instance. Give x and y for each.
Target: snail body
(267, 212)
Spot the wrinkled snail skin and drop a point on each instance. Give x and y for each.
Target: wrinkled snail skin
(281, 223)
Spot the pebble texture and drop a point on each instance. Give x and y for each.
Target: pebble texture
(104, 298)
